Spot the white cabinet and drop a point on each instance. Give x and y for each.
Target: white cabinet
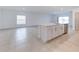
(46, 33)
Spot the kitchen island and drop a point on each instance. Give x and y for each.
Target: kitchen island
(48, 32)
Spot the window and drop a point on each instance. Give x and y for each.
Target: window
(63, 20)
(21, 19)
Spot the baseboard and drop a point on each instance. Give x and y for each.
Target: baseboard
(19, 27)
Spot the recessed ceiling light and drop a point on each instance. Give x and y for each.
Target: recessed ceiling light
(23, 8)
(61, 9)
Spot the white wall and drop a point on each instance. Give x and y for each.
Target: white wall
(8, 18)
(35, 19)
(54, 19)
(71, 25)
(75, 19)
(44, 19)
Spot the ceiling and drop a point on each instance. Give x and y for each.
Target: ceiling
(41, 9)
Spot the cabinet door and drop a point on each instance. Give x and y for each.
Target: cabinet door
(43, 33)
(56, 30)
(60, 30)
(38, 31)
(50, 32)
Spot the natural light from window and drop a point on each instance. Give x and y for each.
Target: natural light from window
(63, 20)
(21, 19)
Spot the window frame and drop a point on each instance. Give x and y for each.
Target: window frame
(63, 20)
(19, 22)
